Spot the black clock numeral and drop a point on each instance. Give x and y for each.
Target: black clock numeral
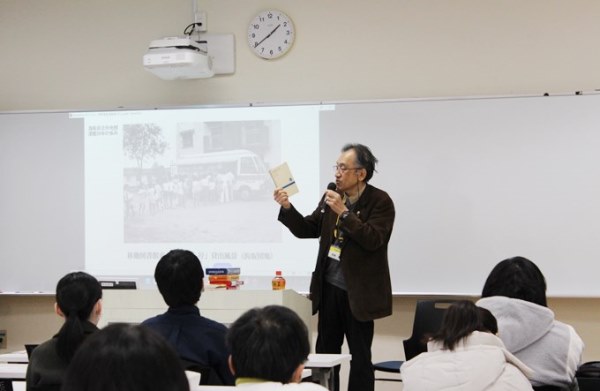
(262, 18)
(256, 26)
(270, 15)
(271, 52)
(253, 36)
(286, 41)
(284, 24)
(287, 32)
(262, 50)
(255, 44)
(279, 47)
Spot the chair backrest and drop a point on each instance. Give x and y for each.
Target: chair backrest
(6, 385)
(428, 318)
(588, 376)
(29, 348)
(588, 383)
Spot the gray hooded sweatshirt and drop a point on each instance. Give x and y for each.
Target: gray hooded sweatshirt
(552, 349)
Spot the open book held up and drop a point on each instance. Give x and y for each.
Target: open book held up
(283, 179)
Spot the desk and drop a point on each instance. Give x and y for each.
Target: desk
(319, 365)
(13, 371)
(322, 366)
(15, 357)
(18, 385)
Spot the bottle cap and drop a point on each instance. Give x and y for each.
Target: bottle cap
(278, 272)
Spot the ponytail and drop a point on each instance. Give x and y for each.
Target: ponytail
(76, 295)
(69, 337)
(459, 321)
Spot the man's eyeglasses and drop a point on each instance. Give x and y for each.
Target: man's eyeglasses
(342, 169)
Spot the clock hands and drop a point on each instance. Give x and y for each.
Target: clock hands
(268, 35)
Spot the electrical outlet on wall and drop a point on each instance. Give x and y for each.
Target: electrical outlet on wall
(3, 344)
(200, 17)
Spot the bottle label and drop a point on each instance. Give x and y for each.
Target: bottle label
(278, 283)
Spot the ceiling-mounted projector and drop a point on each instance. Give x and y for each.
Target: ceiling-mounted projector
(173, 58)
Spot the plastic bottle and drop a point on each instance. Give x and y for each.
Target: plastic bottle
(278, 281)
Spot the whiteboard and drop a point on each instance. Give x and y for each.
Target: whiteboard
(474, 181)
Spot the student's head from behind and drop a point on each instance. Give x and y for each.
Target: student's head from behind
(269, 343)
(179, 276)
(123, 357)
(488, 321)
(78, 299)
(517, 278)
(460, 320)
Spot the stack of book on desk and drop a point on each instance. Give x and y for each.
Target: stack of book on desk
(223, 277)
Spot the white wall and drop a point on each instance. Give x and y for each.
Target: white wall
(68, 54)
(87, 54)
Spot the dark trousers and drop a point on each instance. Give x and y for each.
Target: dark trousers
(335, 321)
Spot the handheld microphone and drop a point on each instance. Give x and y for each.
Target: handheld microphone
(330, 186)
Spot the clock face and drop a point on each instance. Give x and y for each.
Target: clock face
(271, 34)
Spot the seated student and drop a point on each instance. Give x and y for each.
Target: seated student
(124, 357)
(196, 339)
(268, 349)
(465, 355)
(515, 292)
(78, 300)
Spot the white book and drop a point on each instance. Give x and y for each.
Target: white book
(283, 179)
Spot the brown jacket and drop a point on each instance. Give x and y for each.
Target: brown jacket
(364, 259)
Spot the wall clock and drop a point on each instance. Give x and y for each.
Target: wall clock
(271, 34)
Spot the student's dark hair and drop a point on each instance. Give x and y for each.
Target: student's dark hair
(517, 278)
(488, 321)
(460, 320)
(268, 343)
(76, 295)
(364, 158)
(125, 357)
(179, 276)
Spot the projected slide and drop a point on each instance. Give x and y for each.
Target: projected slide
(196, 179)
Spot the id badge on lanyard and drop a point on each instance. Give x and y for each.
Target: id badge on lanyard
(335, 250)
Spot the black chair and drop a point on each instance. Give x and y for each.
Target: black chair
(6, 385)
(428, 318)
(29, 348)
(588, 383)
(588, 376)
